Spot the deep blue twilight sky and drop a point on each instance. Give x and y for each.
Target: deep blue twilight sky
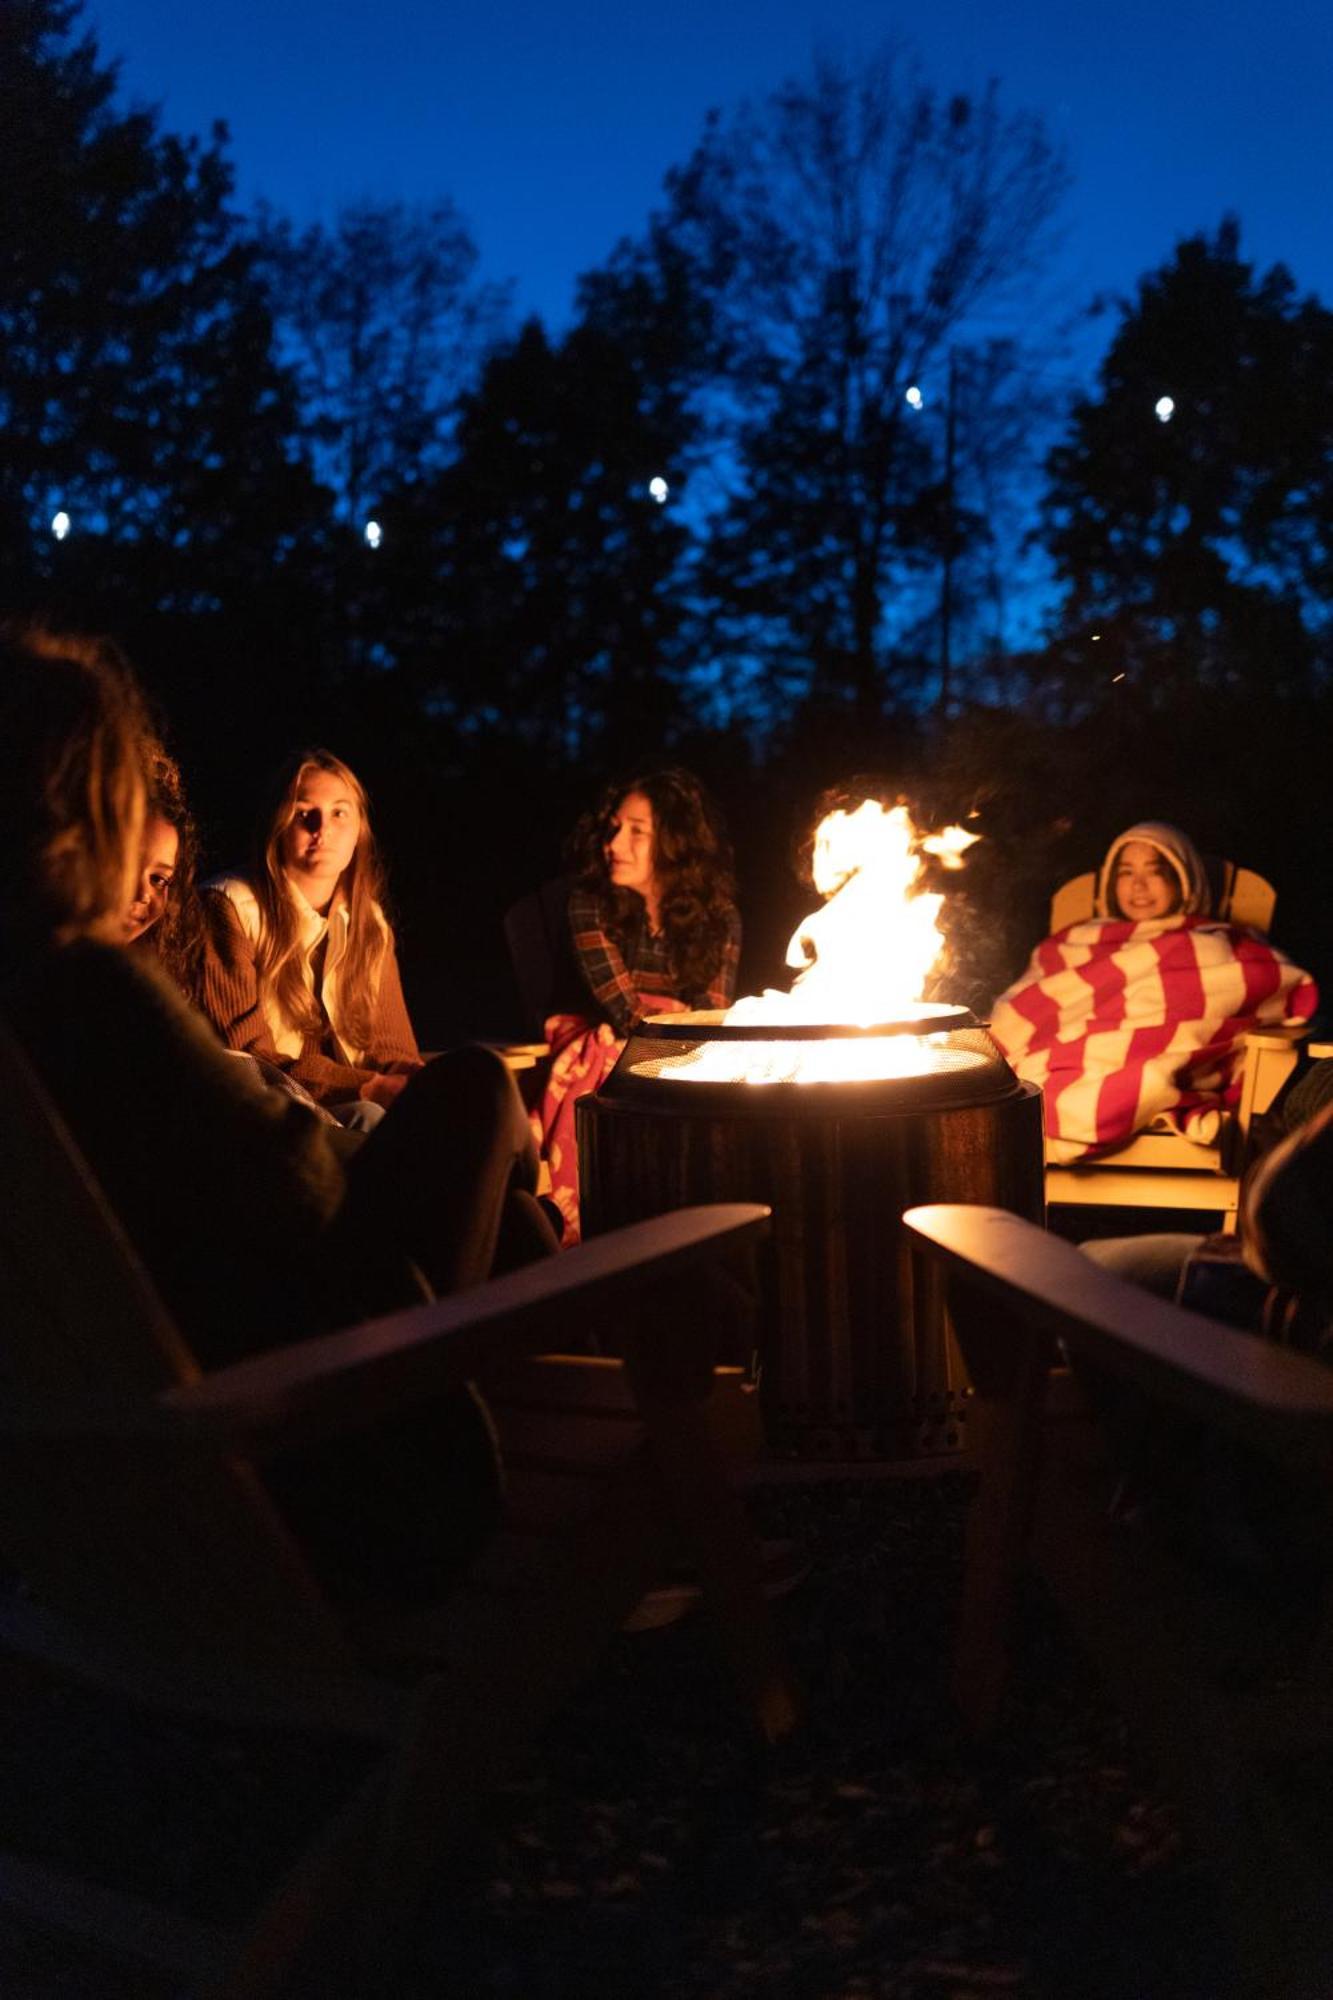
(551, 125)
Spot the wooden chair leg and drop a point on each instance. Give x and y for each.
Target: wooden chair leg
(1009, 1366)
(719, 1542)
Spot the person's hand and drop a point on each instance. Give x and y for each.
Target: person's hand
(386, 1089)
(663, 1003)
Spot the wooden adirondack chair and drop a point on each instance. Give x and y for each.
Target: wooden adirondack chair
(1234, 1703)
(1164, 1169)
(536, 931)
(153, 1562)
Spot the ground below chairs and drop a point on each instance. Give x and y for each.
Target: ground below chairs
(1231, 1698)
(152, 1562)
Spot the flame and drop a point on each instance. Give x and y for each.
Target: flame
(861, 958)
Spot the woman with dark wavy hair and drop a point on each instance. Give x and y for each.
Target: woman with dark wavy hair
(655, 930)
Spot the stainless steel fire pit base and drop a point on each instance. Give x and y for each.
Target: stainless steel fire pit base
(856, 1361)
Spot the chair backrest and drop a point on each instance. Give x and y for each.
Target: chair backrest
(537, 933)
(102, 1519)
(1239, 896)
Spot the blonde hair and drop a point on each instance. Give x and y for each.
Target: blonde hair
(72, 807)
(279, 957)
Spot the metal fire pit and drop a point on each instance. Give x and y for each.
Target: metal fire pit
(855, 1355)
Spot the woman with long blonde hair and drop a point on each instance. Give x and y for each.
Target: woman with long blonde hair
(300, 968)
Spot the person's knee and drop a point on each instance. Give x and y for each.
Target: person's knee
(474, 1073)
(472, 1088)
(1154, 1262)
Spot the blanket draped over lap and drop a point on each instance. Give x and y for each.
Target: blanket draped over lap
(583, 1052)
(1122, 1024)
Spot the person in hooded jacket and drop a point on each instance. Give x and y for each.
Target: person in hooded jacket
(1136, 1016)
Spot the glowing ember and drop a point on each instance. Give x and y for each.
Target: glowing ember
(861, 960)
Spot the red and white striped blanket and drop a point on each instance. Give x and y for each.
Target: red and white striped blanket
(1122, 1023)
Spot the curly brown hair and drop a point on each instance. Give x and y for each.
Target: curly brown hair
(691, 861)
(177, 941)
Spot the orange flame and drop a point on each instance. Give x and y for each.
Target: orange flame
(861, 958)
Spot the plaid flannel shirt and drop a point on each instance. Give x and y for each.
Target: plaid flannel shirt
(620, 985)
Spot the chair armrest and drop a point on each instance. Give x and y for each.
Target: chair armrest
(520, 1055)
(1280, 1400)
(343, 1381)
(1270, 1056)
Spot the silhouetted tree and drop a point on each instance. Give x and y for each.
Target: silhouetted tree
(385, 321)
(844, 236)
(530, 585)
(138, 389)
(1197, 551)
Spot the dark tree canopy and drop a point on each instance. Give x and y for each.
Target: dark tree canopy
(1199, 548)
(845, 236)
(542, 557)
(138, 388)
(385, 321)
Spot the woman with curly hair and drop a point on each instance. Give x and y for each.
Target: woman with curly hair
(164, 916)
(655, 930)
(300, 969)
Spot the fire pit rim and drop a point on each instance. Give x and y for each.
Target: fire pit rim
(708, 1025)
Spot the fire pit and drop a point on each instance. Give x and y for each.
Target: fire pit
(855, 1361)
(792, 1099)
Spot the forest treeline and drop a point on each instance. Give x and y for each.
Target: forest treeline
(779, 501)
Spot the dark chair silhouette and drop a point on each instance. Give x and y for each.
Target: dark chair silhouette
(537, 933)
(1232, 1700)
(151, 1560)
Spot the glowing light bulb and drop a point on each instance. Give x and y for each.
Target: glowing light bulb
(658, 489)
(374, 534)
(1164, 409)
(60, 524)
(914, 398)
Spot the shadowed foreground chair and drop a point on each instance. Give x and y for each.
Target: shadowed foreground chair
(152, 1561)
(1163, 1169)
(1231, 1697)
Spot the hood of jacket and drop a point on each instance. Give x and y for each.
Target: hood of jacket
(1180, 853)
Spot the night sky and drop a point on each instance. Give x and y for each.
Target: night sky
(551, 126)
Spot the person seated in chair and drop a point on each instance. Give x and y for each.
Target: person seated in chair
(257, 1225)
(300, 966)
(1239, 1514)
(654, 928)
(164, 918)
(1136, 1016)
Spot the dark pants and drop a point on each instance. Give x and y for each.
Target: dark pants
(1227, 1508)
(443, 1184)
(447, 1176)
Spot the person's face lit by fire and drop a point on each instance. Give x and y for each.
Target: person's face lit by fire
(157, 866)
(321, 836)
(631, 847)
(1145, 884)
